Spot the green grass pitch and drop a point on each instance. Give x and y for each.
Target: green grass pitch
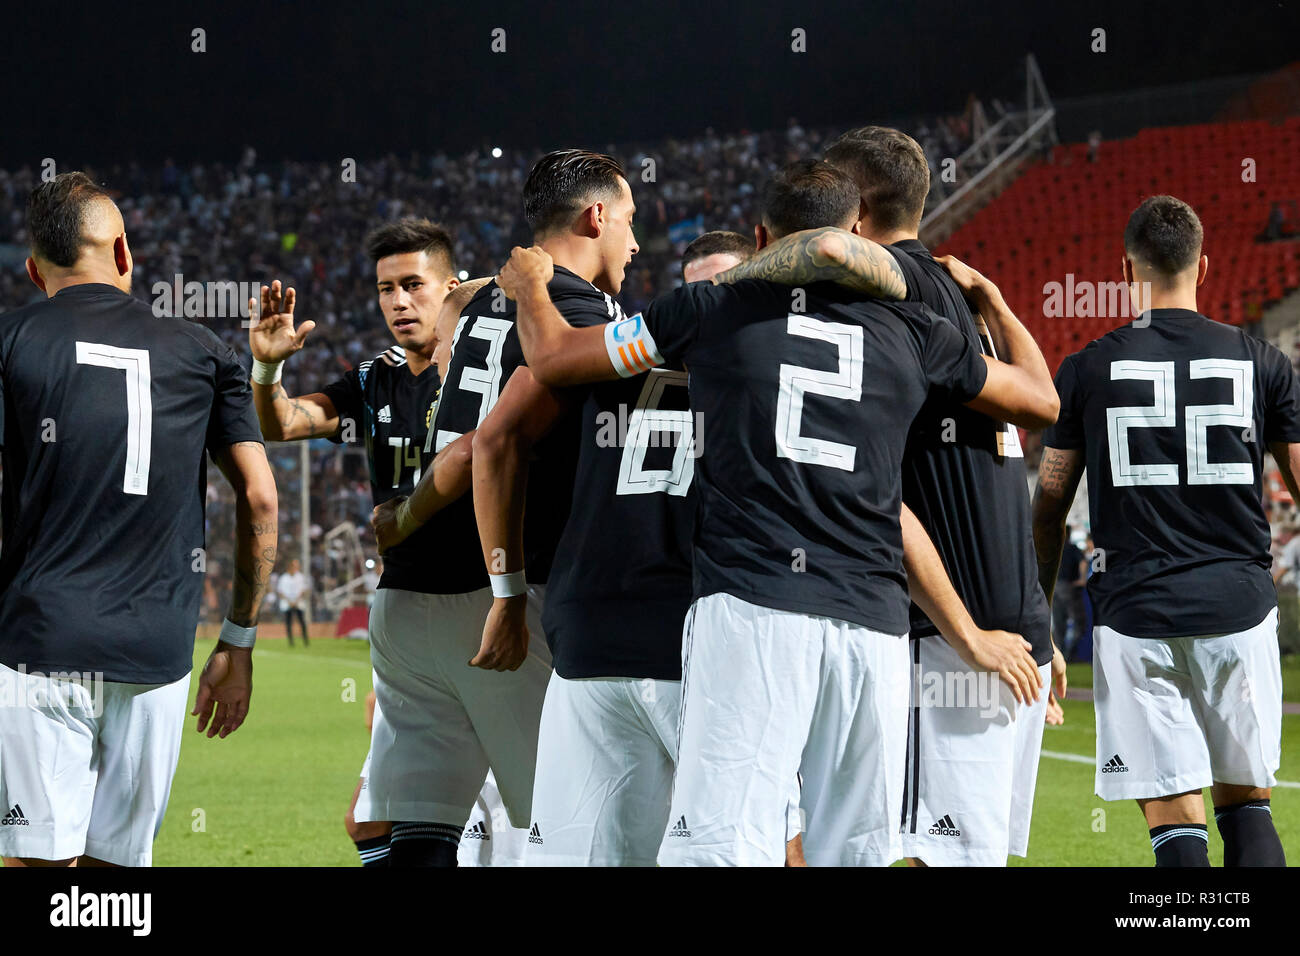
(275, 792)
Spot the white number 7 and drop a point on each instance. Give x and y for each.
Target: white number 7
(139, 407)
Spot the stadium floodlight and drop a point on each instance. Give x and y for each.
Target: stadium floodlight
(496, 152)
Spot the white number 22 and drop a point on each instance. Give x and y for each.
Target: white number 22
(1163, 414)
(139, 407)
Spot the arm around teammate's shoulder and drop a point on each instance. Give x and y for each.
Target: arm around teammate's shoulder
(557, 353)
(1019, 387)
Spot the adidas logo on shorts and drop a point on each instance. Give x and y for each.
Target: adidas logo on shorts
(534, 835)
(945, 827)
(477, 832)
(679, 828)
(386, 415)
(1114, 765)
(14, 818)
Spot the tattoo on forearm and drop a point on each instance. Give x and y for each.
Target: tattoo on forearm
(797, 259)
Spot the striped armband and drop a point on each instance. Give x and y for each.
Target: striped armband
(631, 347)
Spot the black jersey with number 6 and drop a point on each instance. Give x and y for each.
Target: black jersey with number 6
(964, 478)
(1174, 412)
(382, 404)
(485, 353)
(105, 413)
(621, 583)
(802, 419)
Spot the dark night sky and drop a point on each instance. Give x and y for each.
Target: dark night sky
(89, 84)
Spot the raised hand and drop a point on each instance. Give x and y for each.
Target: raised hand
(273, 337)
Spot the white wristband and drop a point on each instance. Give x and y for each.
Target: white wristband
(508, 585)
(266, 373)
(236, 636)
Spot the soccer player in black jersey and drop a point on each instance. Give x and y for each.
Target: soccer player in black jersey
(972, 760)
(615, 602)
(387, 403)
(795, 645)
(1170, 415)
(524, 444)
(106, 411)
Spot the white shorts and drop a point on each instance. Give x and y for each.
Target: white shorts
(972, 761)
(489, 839)
(86, 767)
(605, 758)
(445, 723)
(763, 692)
(1177, 714)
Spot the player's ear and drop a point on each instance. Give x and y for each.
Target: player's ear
(1202, 268)
(760, 236)
(34, 274)
(122, 255)
(595, 219)
(1126, 267)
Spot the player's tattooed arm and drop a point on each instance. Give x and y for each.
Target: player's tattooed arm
(284, 418)
(1000, 652)
(256, 512)
(272, 339)
(557, 353)
(1058, 480)
(824, 255)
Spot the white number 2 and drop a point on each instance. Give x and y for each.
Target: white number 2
(1163, 414)
(845, 382)
(139, 407)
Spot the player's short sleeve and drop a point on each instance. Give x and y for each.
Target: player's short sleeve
(581, 309)
(1282, 399)
(1067, 432)
(952, 362)
(659, 336)
(233, 418)
(345, 395)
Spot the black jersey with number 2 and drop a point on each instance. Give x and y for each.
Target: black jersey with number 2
(802, 419)
(1174, 412)
(383, 405)
(105, 413)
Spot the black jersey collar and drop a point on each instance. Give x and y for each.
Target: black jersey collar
(89, 288)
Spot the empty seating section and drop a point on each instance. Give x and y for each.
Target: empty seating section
(1068, 215)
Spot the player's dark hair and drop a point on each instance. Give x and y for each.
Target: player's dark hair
(891, 172)
(56, 216)
(808, 194)
(411, 235)
(717, 242)
(563, 183)
(1164, 233)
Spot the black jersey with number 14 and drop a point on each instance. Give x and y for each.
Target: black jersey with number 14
(383, 405)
